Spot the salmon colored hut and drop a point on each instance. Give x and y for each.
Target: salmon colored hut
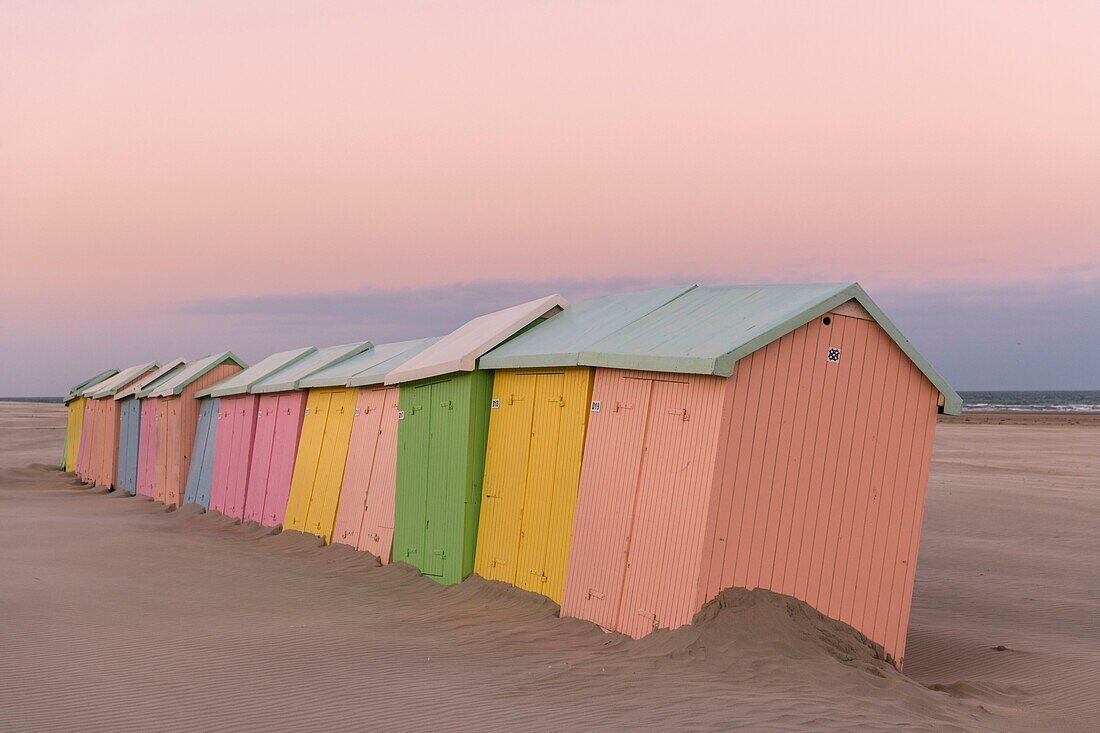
(323, 446)
(129, 426)
(364, 517)
(102, 445)
(177, 417)
(147, 431)
(537, 425)
(774, 436)
(222, 455)
(444, 405)
(76, 403)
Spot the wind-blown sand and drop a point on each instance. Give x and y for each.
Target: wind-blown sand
(118, 615)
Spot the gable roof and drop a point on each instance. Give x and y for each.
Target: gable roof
(368, 367)
(459, 350)
(150, 379)
(243, 380)
(178, 381)
(288, 377)
(706, 330)
(560, 339)
(77, 389)
(108, 387)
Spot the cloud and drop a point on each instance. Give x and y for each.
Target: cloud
(390, 314)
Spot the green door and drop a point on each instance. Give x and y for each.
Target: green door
(412, 473)
(443, 494)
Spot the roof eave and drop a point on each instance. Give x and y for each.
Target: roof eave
(649, 363)
(529, 361)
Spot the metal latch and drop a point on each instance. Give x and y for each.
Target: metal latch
(682, 412)
(593, 593)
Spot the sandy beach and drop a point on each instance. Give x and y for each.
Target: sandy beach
(117, 615)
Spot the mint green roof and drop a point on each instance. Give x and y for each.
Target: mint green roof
(76, 390)
(109, 387)
(558, 340)
(706, 330)
(178, 381)
(243, 380)
(288, 378)
(367, 367)
(155, 377)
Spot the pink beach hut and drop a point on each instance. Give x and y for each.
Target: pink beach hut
(147, 433)
(765, 436)
(100, 464)
(234, 413)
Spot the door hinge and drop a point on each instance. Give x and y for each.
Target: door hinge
(593, 593)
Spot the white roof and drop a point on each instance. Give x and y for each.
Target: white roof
(459, 350)
(151, 379)
(108, 387)
(289, 377)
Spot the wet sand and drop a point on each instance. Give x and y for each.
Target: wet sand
(118, 615)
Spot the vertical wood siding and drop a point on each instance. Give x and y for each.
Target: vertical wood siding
(646, 480)
(232, 454)
(200, 474)
(181, 422)
(820, 489)
(88, 440)
(278, 428)
(147, 448)
(101, 464)
(243, 419)
(532, 473)
(366, 514)
(440, 467)
(73, 432)
(129, 435)
(319, 464)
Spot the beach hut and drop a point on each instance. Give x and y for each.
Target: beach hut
(147, 432)
(177, 417)
(364, 515)
(540, 409)
(129, 425)
(102, 444)
(222, 455)
(772, 436)
(444, 403)
(76, 402)
(319, 454)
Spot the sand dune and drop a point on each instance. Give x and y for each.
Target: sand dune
(118, 615)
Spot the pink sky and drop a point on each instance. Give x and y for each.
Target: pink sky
(165, 152)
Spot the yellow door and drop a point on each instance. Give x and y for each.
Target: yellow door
(532, 473)
(72, 432)
(305, 463)
(505, 475)
(319, 464)
(321, 516)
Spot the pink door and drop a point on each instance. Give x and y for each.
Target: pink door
(365, 519)
(243, 419)
(609, 478)
(278, 425)
(261, 457)
(670, 504)
(223, 441)
(362, 447)
(147, 448)
(160, 470)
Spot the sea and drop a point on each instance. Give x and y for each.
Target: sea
(1006, 400)
(1031, 401)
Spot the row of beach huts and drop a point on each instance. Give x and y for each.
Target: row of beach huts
(627, 456)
